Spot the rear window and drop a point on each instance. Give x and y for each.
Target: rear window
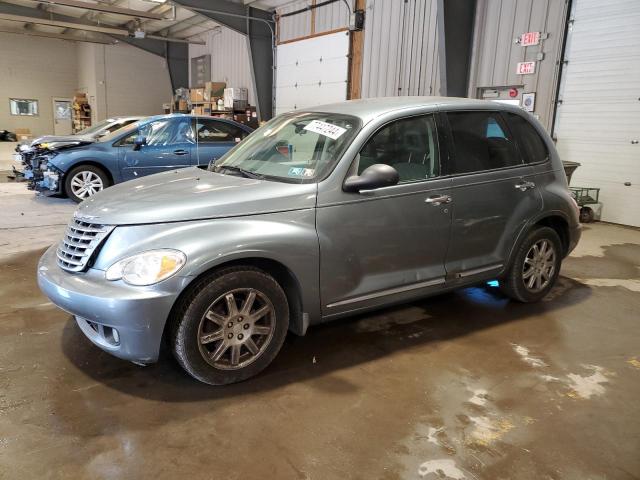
(531, 144)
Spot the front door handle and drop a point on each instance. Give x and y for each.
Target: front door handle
(524, 186)
(180, 152)
(436, 200)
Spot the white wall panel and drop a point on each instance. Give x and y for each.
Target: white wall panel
(496, 54)
(325, 18)
(137, 82)
(599, 116)
(229, 58)
(400, 49)
(312, 72)
(38, 68)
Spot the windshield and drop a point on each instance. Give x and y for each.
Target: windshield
(299, 147)
(96, 128)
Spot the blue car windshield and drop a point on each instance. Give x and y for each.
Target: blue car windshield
(299, 147)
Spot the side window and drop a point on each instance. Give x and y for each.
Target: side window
(409, 145)
(167, 132)
(213, 131)
(481, 142)
(531, 145)
(128, 140)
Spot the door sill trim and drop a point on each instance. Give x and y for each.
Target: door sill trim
(390, 291)
(476, 271)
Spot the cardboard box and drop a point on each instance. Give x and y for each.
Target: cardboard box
(183, 106)
(23, 134)
(214, 90)
(196, 95)
(236, 98)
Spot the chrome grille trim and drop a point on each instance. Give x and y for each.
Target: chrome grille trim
(79, 243)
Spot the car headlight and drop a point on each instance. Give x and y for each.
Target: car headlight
(147, 268)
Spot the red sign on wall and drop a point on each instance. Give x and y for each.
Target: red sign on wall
(526, 68)
(530, 38)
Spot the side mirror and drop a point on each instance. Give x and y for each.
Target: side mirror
(139, 141)
(375, 176)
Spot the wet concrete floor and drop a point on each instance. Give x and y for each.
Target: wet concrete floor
(463, 386)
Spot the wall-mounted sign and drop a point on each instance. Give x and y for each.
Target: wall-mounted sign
(530, 38)
(526, 68)
(528, 101)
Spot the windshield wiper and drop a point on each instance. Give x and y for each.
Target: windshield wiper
(242, 171)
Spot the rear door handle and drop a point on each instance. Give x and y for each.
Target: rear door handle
(436, 200)
(524, 186)
(180, 152)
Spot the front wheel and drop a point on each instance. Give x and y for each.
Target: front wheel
(536, 266)
(85, 181)
(230, 325)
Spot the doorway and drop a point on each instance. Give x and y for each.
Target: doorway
(62, 116)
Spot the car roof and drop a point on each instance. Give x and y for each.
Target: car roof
(370, 108)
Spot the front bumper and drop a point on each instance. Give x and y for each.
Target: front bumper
(136, 314)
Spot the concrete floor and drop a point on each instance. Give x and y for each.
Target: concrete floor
(462, 386)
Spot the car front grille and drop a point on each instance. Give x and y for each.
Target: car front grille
(79, 243)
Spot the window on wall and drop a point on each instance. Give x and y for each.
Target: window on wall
(23, 106)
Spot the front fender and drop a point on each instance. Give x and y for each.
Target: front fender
(65, 161)
(288, 238)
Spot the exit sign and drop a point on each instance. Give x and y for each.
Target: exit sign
(530, 38)
(526, 68)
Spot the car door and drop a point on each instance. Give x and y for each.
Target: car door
(387, 244)
(169, 144)
(493, 193)
(214, 138)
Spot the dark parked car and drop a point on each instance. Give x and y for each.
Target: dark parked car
(152, 145)
(319, 214)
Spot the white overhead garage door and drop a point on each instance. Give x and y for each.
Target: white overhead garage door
(598, 119)
(312, 72)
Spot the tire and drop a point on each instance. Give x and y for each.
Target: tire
(87, 179)
(587, 215)
(517, 281)
(219, 346)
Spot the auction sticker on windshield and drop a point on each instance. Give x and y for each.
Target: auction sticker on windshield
(327, 129)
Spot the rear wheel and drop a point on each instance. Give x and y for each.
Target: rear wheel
(230, 326)
(85, 181)
(535, 268)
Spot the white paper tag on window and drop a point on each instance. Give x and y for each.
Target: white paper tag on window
(327, 129)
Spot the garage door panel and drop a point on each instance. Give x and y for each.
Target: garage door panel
(598, 118)
(312, 72)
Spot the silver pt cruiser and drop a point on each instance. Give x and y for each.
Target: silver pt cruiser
(317, 215)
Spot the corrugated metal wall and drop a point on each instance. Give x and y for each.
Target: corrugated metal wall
(496, 54)
(400, 49)
(229, 58)
(327, 18)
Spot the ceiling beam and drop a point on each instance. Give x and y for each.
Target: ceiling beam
(69, 38)
(91, 28)
(104, 8)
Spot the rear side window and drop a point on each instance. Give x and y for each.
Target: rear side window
(481, 142)
(214, 131)
(531, 145)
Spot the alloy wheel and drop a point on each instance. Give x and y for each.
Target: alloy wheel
(539, 266)
(85, 184)
(236, 329)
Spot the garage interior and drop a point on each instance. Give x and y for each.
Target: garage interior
(463, 385)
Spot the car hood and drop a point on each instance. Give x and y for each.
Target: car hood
(192, 194)
(64, 139)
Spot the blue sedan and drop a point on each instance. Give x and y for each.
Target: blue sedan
(152, 145)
